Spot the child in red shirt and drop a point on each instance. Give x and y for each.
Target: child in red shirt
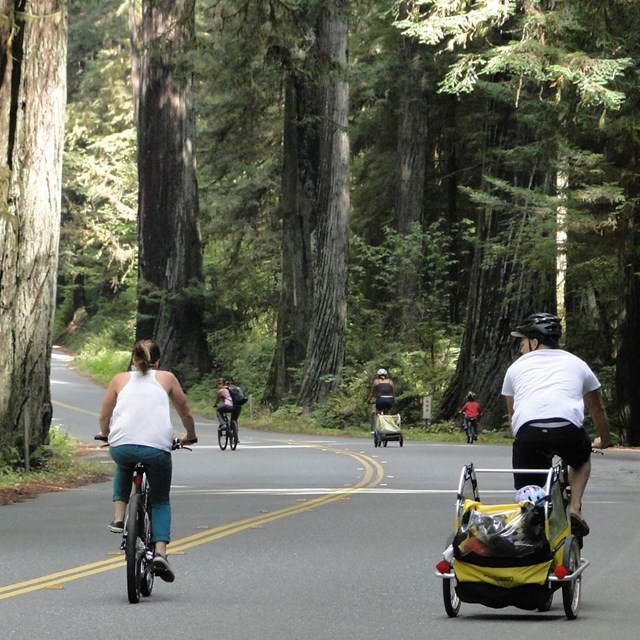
(471, 411)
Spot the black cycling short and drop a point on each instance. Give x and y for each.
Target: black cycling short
(534, 448)
(384, 403)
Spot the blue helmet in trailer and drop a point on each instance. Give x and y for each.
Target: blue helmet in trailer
(530, 493)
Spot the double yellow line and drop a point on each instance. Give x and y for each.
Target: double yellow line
(372, 476)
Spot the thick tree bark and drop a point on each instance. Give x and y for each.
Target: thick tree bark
(628, 398)
(412, 156)
(502, 291)
(299, 176)
(330, 238)
(492, 312)
(32, 102)
(170, 260)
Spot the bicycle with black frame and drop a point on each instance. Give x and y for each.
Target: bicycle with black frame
(228, 432)
(470, 426)
(137, 542)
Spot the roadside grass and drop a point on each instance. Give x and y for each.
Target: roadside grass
(61, 467)
(102, 364)
(293, 421)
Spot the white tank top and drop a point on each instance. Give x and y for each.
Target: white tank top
(142, 413)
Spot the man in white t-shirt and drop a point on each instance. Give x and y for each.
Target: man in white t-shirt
(546, 391)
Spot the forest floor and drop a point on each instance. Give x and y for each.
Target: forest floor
(72, 473)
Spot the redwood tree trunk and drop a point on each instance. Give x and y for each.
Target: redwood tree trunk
(330, 238)
(170, 259)
(628, 398)
(412, 156)
(492, 312)
(299, 176)
(502, 290)
(32, 102)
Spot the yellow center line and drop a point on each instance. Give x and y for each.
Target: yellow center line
(69, 406)
(372, 476)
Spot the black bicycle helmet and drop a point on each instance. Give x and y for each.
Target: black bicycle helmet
(539, 325)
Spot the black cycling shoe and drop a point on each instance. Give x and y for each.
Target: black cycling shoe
(578, 526)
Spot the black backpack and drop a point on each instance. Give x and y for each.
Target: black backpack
(238, 396)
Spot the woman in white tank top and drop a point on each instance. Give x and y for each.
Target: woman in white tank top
(135, 416)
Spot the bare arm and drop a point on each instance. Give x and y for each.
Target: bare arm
(509, 400)
(593, 402)
(109, 401)
(179, 401)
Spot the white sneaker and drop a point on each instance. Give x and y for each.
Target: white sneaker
(162, 569)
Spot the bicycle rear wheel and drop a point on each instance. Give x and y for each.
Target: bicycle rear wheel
(132, 548)
(233, 435)
(146, 555)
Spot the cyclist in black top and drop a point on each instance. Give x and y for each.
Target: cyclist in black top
(382, 391)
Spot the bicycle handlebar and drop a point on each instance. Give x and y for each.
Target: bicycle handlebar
(177, 443)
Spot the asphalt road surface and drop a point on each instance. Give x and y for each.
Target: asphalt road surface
(295, 538)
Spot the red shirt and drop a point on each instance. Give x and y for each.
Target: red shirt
(471, 409)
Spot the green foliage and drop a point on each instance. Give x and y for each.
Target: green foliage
(104, 341)
(102, 363)
(240, 357)
(416, 374)
(98, 244)
(54, 464)
(238, 94)
(11, 459)
(517, 94)
(540, 47)
(111, 325)
(60, 447)
(374, 272)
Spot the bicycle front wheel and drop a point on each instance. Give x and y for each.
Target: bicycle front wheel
(132, 548)
(223, 437)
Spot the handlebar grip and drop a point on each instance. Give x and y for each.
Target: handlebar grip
(101, 438)
(182, 444)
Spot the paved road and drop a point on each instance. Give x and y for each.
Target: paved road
(294, 538)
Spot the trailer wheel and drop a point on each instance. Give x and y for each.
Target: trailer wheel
(450, 597)
(571, 590)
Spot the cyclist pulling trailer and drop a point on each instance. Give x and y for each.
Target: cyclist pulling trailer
(385, 426)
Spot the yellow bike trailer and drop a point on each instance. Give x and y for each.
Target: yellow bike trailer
(512, 554)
